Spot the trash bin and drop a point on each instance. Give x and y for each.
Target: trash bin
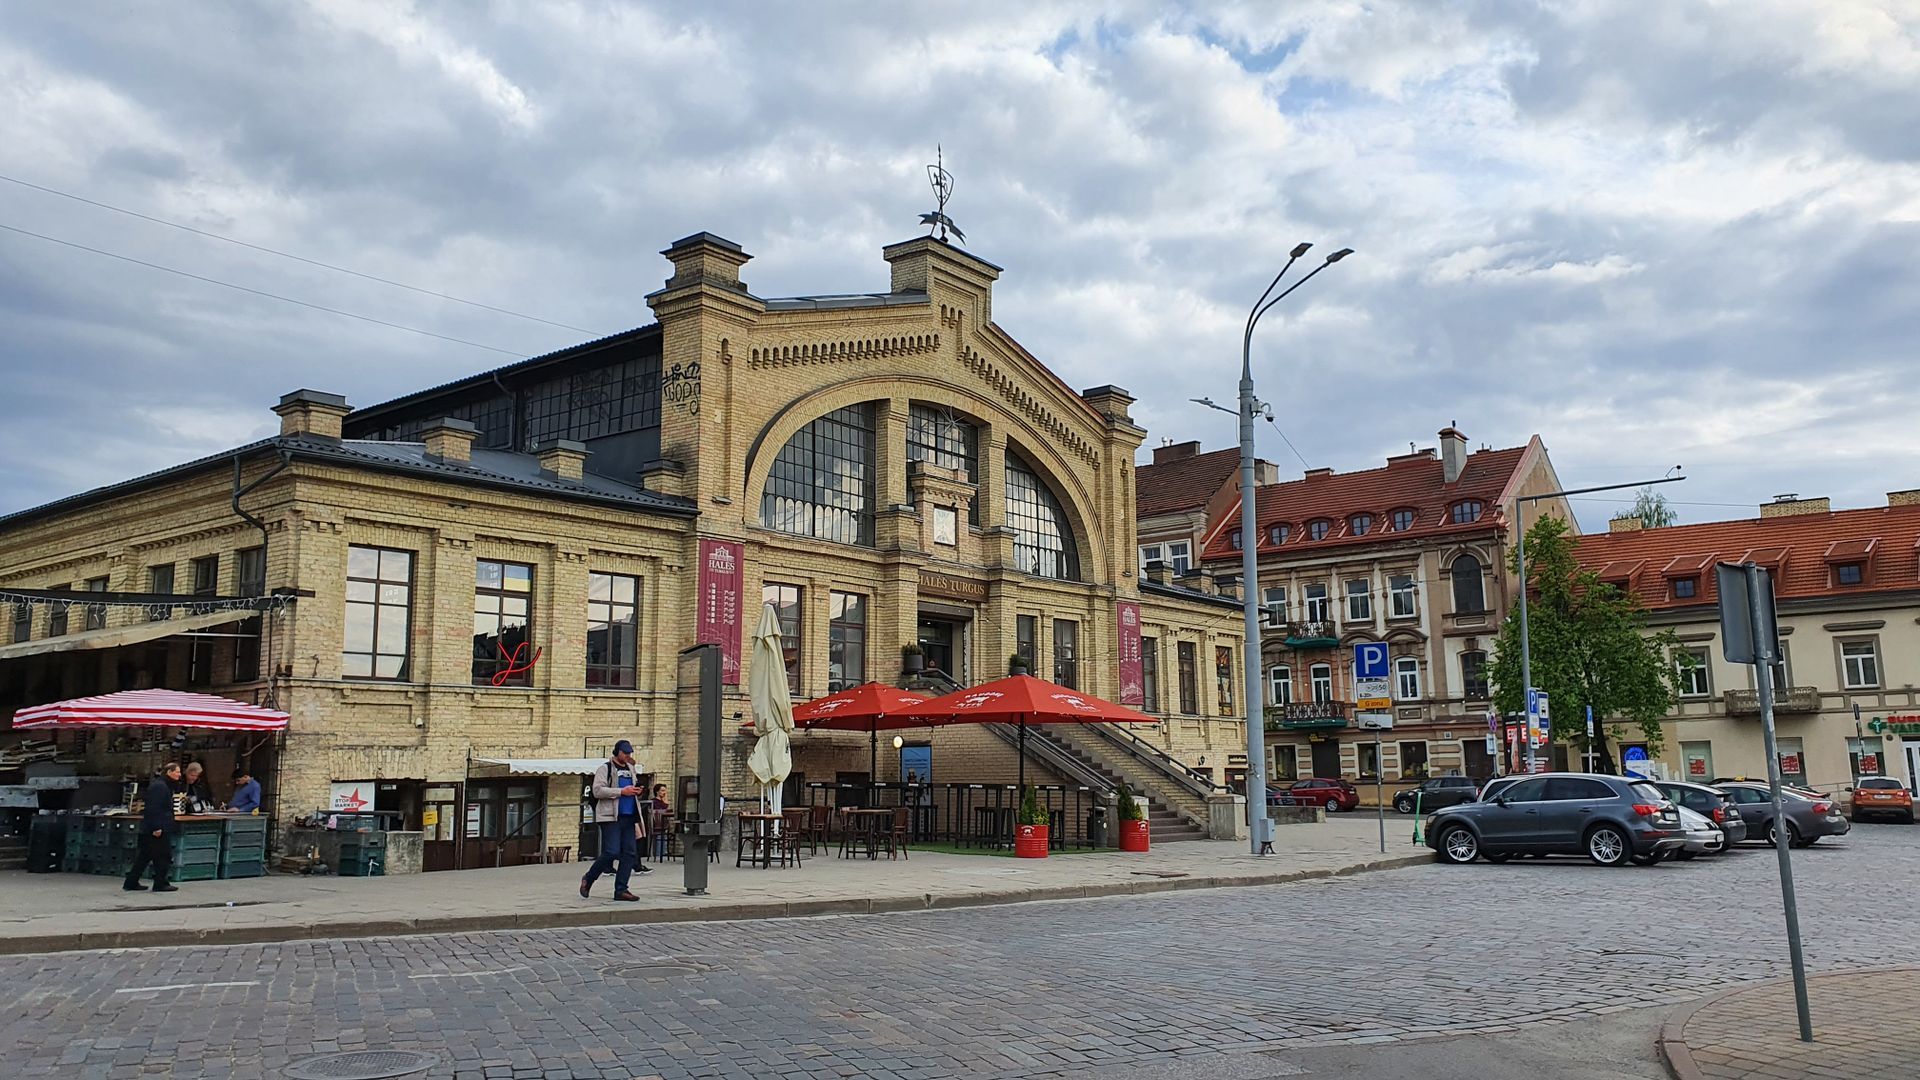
(1097, 827)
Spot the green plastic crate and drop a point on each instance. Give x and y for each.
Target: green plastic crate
(244, 868)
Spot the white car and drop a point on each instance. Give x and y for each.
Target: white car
(1703, 838)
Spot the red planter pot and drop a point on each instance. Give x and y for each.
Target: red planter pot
(1134, 835)
(1030, 841)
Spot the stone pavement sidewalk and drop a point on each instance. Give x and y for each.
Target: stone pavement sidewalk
(1753, 1034)
(60, 912)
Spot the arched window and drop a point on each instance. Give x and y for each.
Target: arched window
(1318, 528)
(942, 437)
(1043, 542)
(1321, 679)
(1466, 511)
(1277, 534)
(1280, 685)
(1360, 524)
(1404, 518)
(1469, 592)
(821, 485)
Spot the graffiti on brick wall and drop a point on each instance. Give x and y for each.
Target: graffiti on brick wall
(680, 386)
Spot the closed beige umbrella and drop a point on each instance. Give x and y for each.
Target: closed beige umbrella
(772, 757)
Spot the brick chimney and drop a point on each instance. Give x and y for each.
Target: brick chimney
(1453, 453)
(1320, 473)
(1909, 497)
(1790, 505)
(450, 440)
(1175, 451)
(704, 258)
(564, 459)
(1626, 523)
(1109, 401)
(313, 413)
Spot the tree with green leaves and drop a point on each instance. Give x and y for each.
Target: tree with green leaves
(1651, 508)
(1589, 646)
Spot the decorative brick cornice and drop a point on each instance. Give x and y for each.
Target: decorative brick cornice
(1034, 410)
(830, 352)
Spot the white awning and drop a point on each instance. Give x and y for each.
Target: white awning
(114, 636)
(546, 766)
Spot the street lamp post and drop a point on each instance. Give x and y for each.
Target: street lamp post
(1249, 409)
(1520, 513)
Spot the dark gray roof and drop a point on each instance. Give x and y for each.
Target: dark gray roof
(1178, 592)
(469, 381)
(846, 300)
(494, 469)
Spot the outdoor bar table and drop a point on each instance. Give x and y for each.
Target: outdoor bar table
(757, 840)
(863, 829)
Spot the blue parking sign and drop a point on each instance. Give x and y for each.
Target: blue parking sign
(1370, 660)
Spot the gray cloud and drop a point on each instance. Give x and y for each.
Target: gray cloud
(1677, 240)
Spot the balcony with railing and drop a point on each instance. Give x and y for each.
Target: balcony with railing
(1303, 633)
(1794, 699)
(1309, 716)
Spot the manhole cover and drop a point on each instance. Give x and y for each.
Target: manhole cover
(362, 1065)
(655, 971)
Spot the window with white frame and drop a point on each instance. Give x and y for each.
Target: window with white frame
(1359, 600)
(1280, 685)
(1406, 679)
(1317, 603)
(1694, 678)
(1180, 556)
(1402, 600)
(1273, 601)
(1322, 678)
(1150, 554)
(1318, 528)
(1860, 663)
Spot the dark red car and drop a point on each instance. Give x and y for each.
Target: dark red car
(1334, 795)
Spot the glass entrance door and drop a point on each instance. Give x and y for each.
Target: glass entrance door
(943, 643)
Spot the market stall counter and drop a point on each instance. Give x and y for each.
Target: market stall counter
(205, 847)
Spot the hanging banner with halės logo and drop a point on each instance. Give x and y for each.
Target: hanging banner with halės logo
(720, 581)
(1132, 679)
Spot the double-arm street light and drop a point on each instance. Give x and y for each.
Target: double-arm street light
(1520, 514)
(1250, 408)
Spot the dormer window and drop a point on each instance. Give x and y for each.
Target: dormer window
(1467, 511)
(1318, 528)
(1849, 573)
(1277, 534)
(1402, 520)
(1233, 538)
(1685, 588)
(1360, 524)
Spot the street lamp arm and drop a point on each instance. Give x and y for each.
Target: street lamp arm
(1262, 310)
(1590, 490)
(1253, 316)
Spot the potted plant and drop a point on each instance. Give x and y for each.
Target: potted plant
(1133, 822)
(912, 660)
(1017, 664)
(1030, 828)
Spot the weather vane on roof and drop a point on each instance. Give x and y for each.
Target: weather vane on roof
(942, 182)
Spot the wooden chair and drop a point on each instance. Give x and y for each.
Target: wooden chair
(819, 820)
(559, 854)
(897, 834)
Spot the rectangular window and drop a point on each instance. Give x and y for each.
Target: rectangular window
(1025, 629)
(1866, 757)
(160, 582)
(1189, 660)
(1223, 677)
(1851, 573)
(1696, 762)
(1280, 685)
(1782, 668)
(1274, 604)
(379, 613)
(96, 613)
(1150, 554)
(502, 623)
(1793, 762)
(613, 630)
(1317, 604)
(206, 582)
(1685, 588)
(1402, 600)
(57, 614)
(1406, 679)
(1283, 762)
(1150, 674)
(22, 623)
(786, 604)
(846, 640)
(1322, 678)
(1180, 556)
(1694, 680)
(206, 576)
(1413, 761)
(1860, 664)
(1473, 675)
(1369, 759)
(1359, 601)
(1066, 653)
(250, 568)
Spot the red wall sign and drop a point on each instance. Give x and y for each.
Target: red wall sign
(720, 603)
(1132, 681)
(1790, 764)
(1696, 766)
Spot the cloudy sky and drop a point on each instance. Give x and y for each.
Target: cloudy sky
(1654, 232)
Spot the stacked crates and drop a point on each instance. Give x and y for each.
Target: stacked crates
(243, 850)
(196, 850)
(362, 854)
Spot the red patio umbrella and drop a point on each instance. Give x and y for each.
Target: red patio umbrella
(1023, 700)
(152, 708)
(869, 707)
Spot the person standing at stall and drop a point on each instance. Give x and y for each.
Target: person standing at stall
(157, 826)
(246, 793)
(199, 788)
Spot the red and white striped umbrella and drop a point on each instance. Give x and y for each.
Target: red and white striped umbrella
(156, 708)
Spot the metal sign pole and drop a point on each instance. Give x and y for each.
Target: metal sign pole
(1379, 786)
(1764, 652)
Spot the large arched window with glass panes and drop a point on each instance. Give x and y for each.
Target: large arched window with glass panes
(1043, 541)
(942, 437)
(821, 485)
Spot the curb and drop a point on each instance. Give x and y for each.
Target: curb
(1673, 1042)
(722, 912)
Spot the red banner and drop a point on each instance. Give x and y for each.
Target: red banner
(1132, 682)
(720, 583)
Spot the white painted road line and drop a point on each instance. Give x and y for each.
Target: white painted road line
(181, 986)
(467, 974)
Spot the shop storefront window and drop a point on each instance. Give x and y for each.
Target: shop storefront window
(1285, 762)
(1696, 761)
(1413, 760)
(1793, 761)
(1866, 757)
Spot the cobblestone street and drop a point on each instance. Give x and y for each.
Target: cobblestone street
(1129, 986)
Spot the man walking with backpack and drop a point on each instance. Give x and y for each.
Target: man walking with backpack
(617, 799)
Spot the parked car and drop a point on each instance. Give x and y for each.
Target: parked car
(1333, 794)
(1703, 836)
(1709, 802)
(1436, 792)
(1808, 818)
(1609, 819)
(1882, 796)
(1500, 783)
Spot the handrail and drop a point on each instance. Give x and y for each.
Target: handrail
(1175, 769)
(500, 844)
(1059, 759)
